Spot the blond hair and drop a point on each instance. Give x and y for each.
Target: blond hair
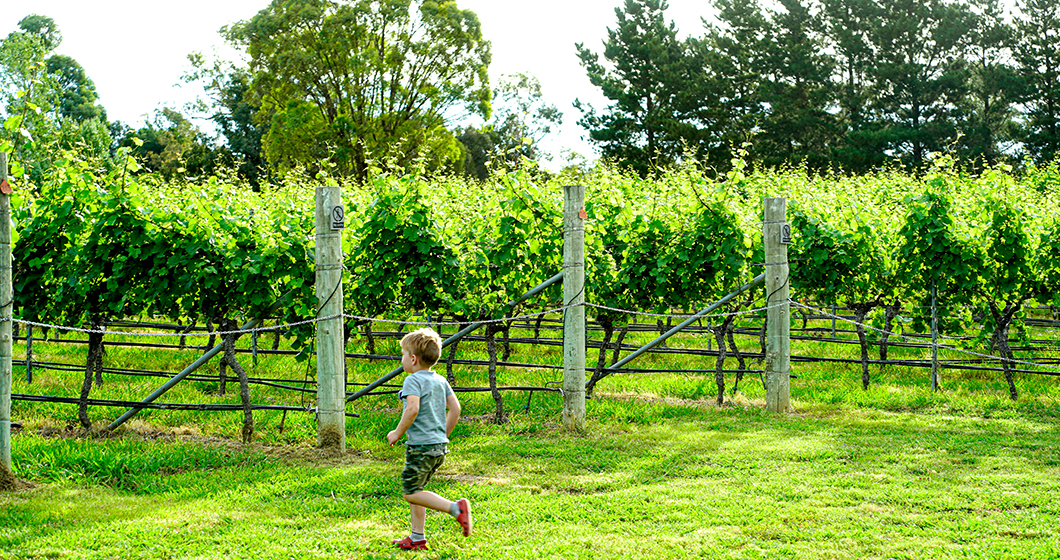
(425, 344)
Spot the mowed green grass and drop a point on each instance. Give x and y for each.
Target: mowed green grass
(897, 471)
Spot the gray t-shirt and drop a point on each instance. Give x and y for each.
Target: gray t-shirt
(429, 425)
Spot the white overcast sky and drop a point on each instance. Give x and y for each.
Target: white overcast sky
(136, 50)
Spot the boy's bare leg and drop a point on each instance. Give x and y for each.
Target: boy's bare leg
(418, 518)
(429, 500)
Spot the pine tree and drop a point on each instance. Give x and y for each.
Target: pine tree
(646, 79)
(1037, 52)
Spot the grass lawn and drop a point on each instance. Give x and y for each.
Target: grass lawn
(893, 472)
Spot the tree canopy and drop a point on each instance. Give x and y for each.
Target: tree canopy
(49, 101)
(363, 83)
(843, 84)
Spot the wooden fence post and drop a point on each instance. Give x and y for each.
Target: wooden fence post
(934, 338)
(331, 353)
(574, 317)
(776, 234)
(6, 316)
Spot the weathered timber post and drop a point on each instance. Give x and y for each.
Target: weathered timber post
(331, 353)
(776, 234)
(29, 353)
(6, 316)
(934, 338)
(574, 317)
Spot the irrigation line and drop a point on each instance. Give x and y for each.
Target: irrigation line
(165, 406)
(477, 390)
(456, 337)
(242, 330)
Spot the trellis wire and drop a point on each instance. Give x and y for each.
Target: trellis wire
(933, 345)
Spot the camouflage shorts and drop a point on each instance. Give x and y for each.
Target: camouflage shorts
(420, 463)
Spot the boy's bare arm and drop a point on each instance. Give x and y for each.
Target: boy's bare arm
(452, 413)
(412, 409)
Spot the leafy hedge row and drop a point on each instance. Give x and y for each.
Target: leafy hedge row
(94, 247)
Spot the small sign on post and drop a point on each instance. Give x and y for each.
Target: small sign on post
(338, 218)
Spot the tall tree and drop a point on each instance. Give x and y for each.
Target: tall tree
(364, 81)
(646, 73)
(1037, 53)
(521, 120)
(231, 105)
(731, 59)
(848, 26)
(24, 82)
(76, 92)
(49, 100)
(993, 85)
(798, 91)
(173, 146)
(919, 76)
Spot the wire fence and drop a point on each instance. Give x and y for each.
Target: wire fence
(538, 322)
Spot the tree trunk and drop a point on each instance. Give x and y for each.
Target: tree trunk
(719, 372)
(94, 345)
(370, 340)
(244, 384)
(1001, 342)
(889, 313)
(618, 343)
(507, 341)
(1002, 322)
(609, 329)
(739, 359)
(449, 375)
(860, 311)
(100, 350)
(213, 338)
(491, 347)
(222, 367)
(537, 327)
(183, 338)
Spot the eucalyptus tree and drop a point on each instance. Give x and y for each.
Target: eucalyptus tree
(363, 82)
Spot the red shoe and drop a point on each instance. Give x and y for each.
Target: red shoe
(464, 518)
(408, 544)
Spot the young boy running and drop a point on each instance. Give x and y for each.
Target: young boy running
(428, 424)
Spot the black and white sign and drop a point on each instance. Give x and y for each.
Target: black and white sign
(338, 218)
